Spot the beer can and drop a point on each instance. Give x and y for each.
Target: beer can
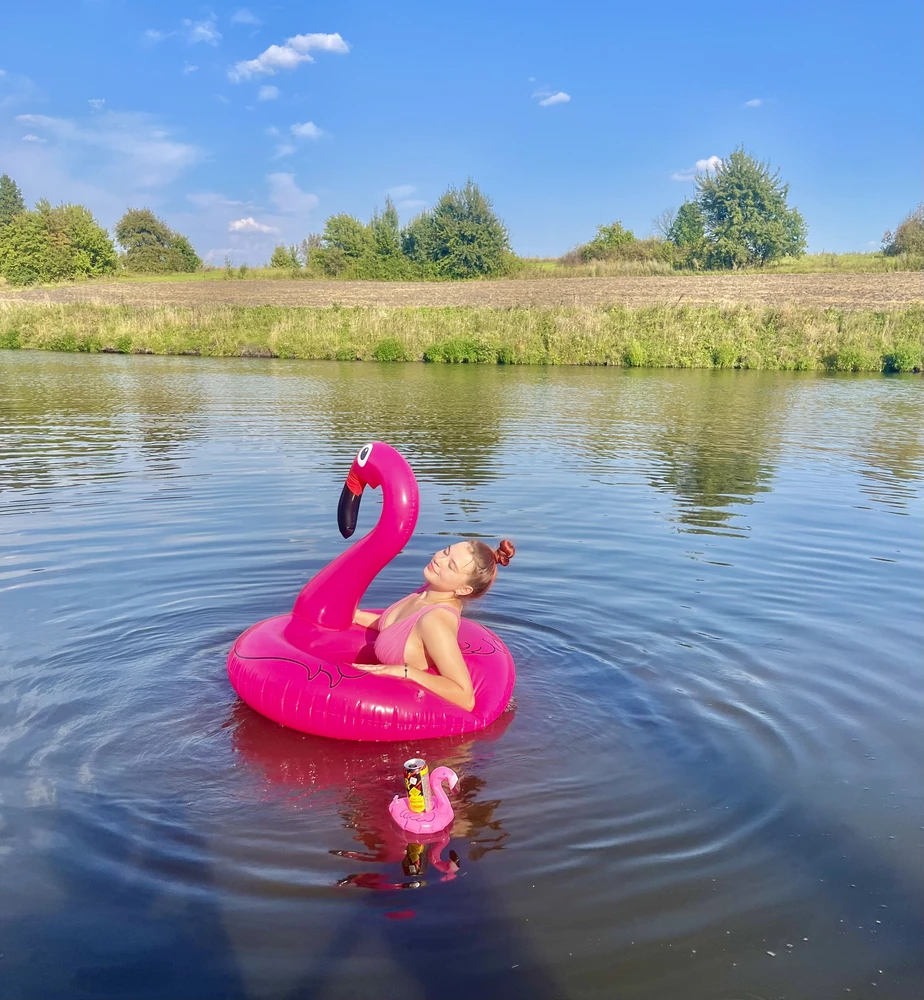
(414, 860)
(417, 783)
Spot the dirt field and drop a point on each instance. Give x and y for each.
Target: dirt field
(846, 291)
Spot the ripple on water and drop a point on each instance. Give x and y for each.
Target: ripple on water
(712, 740)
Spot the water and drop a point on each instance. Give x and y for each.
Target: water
(709, 786)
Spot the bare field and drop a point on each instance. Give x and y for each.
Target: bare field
(843, 291)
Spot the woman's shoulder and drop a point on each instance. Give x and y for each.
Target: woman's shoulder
(440, 616)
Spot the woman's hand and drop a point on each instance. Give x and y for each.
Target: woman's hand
(384, 669)
(369, 619)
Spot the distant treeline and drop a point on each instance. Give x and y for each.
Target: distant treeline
(739, 217)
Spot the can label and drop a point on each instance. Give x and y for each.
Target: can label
(417, 783)
(414, 860)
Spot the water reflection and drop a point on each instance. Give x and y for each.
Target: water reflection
(449, 425)
(715, 444)
(892, 452)
(71, 422)
(362, 777)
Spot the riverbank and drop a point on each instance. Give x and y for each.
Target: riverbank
(658, 336)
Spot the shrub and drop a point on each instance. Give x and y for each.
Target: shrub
(389, 349)
(608, 242)
(904, 358)
(51, 244)
(284, 256)
(461, 350)
(908, 238)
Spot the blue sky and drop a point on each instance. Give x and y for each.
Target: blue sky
(247, 126)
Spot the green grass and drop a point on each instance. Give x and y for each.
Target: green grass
(655, 336)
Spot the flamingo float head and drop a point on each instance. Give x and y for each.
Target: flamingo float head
(357, 479)
(331, 597)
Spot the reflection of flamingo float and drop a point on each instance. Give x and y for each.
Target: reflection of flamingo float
(296, 668)
(298, 768)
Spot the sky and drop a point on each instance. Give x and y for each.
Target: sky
(247, 126)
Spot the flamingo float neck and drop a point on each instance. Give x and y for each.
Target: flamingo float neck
(331, 597)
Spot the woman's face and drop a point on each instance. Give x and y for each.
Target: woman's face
(449, 570)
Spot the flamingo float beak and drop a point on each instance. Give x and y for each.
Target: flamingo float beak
(348, 507)
(351, 494)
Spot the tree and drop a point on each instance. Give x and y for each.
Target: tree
(664, 222)
(50, 244)
(150, 246)
(688, 227)
(284, 256)
(11, 202)
(608, 242)
(386, 231)
(461, 237)
(346, 233)
(909, 237)
(745, 215)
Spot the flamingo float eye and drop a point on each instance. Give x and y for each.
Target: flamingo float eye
(363, 455)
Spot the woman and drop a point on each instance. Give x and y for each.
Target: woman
(421, 630)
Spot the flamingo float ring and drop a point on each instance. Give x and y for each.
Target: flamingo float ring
(297, 668)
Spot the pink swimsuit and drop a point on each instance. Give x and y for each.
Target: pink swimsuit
(391, 641)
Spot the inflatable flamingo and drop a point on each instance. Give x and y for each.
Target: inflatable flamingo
(439, 817)
(297, 668)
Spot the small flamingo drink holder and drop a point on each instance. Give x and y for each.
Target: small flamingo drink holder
(438, 817)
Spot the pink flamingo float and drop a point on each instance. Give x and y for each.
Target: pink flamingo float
(297, 668)
(436, 819)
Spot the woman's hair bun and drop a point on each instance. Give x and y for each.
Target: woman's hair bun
(504, 552)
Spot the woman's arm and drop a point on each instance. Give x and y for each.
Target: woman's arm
(368, 618)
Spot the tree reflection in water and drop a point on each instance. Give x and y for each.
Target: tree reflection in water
(716, 441)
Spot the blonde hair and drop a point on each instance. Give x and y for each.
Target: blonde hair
(484, 570)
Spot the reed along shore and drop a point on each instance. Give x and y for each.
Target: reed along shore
(657, 336)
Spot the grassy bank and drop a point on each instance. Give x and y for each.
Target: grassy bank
(653, 336)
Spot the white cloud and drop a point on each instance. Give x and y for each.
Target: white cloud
(267, 93)
(548, 97)
(559, 98)
(283, 149)
(306, 130)
(205, 31)
(402, 190)
(202, 31)
(288, 197)
(755, 102)
(211, 199)
(33, 138)
(244, 16)
(296, 50)
(250, 225)
(189, 68)
(708, 165)
(125, 148)
(97, 103)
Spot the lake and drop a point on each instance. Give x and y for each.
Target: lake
(708, 785)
